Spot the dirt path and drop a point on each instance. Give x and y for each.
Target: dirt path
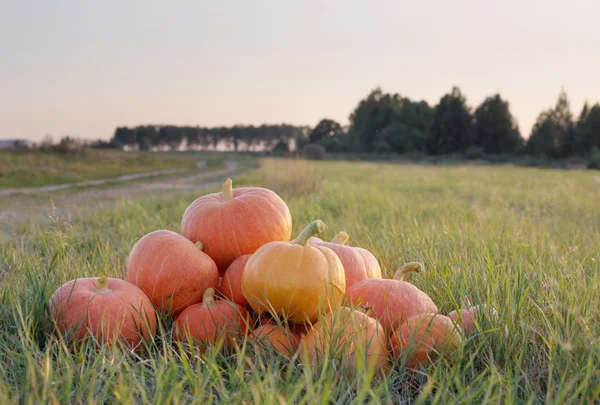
(38, 203)
(90, 183)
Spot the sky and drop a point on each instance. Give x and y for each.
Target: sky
(82, 68)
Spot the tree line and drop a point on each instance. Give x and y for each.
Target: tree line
(236, 138)
(390, 123)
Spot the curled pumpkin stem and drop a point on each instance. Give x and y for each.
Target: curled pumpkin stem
(228, 190)
(341, 238)
(312, 229)
(208, 298)
(102, 283)
(408, 268)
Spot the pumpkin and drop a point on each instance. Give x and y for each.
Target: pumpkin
(231, 286)
(212, 322)
(108, 309)
(351, 334)
(296, 280)
(392, 301)
(280, 338)
(171, 270)
(423, 338)
(359, 264)
(467, 317)
(236, 222)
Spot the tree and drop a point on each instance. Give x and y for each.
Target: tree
(372, 115)
(495, 128)
(588, 130)
(325, 129)
(452, 128)
(384, 122)
(552, 133)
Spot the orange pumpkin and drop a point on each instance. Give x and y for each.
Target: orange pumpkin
(231, 286)
(467, 317)
(171, 270)
(423, 338)
(392, 301)
(348, 334)
(212, 322)
(359, 264)
(109, 309)
(236, 222)
(295, 281)
(280, 338)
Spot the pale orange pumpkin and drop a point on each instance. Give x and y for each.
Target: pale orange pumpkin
(212, 322)
(423, 338)
(359, 264)
(231, 286)
(392, 301)
(348, 334)
(295, 281)
(108, 309)
(236, 222)
(467, 317)
(278, 337)
(171, 270)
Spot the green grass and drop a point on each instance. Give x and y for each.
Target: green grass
(524, 241)
(37, 168)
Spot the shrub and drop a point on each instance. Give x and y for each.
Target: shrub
(314, 152)
(474, 152)
(594, 160)
(382, 147)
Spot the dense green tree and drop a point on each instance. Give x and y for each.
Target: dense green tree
(325, 129)
(552, 134)
(384, 122)
(452, 129)
(587, 130)
(495, 128)
(372, 115)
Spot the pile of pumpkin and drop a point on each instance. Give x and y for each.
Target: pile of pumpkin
(233, 266)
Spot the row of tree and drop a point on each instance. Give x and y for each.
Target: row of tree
(391, 123)
(237, 138)
(386, 123)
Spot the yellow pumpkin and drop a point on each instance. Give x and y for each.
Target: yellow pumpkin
(296, 280)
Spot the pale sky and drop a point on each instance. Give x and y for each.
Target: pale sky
(85, 67)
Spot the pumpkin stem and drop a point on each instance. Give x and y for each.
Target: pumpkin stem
(341, 238)
(199, 245)
(312, 229)
(228, 190)
(407, 268)
(208, 298)
(366, 309)
(102, 283)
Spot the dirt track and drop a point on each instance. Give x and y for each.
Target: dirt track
(37, 203)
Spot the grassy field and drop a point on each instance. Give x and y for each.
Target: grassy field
(525, 241)
(35, 168)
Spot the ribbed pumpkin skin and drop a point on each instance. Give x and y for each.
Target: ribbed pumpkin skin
(468, 316)
(231, 285)
(207, 325)
(294, 280)
(428, 335)
(279, 338)
(120, 312)
(350, 333)
(392, 301)
(229, 229)
(359, 264)
(171, 270)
